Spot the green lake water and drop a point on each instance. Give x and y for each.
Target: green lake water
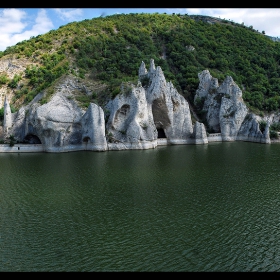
(213, 207)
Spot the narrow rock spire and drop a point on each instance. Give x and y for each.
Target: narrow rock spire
(142, 70)
(7, 123)
(152, 66)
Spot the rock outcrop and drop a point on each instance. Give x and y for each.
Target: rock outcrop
(8, 118)
(200, 135)
(207, 94)
(153, 109)
(130, 124)
(232, 111)
(250, 130)
(142, 116)
(226, 112)
(60, 125)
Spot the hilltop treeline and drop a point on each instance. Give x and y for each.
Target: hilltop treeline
(110, 49)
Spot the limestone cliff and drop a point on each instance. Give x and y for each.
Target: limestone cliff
(226, 111)
(60, 125)
(153, 109)
(142, 116)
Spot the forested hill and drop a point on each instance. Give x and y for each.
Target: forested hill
(107, 51)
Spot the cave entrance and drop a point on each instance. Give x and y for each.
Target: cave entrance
(160, 115)
(161, 133)
(31, 139)
(86, 139)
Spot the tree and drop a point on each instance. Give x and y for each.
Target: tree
(12, 140)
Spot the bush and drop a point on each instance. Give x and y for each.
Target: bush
(4, 79)
(13, 83)
(2, 114)
(145, 81)
(12, 140)
(262, 125)
(273, 134)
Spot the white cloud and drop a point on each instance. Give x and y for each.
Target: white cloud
(12, 26)
(11, 21)
(267, 19)
(69, 14)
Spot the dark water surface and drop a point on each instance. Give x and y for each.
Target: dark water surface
(212, 207)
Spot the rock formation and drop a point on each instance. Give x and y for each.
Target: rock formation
(153, 109)
(130, 124)
(226, 111)
(61, 125)
(200, 135)
(232, 111)
(8, 119)
(142, 116)
(250, 130)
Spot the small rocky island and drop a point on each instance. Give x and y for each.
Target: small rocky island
(142, 116)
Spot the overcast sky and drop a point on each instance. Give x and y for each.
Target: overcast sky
(18, 24)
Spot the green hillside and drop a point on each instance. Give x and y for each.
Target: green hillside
(107, 51)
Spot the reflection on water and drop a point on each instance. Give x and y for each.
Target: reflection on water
(208, 207)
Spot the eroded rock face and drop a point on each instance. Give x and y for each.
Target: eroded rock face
(207, 94)
(140, 117)
(148, 112)
(226, 111)
(250, 130)
(232, 111)
(56, 123)
(207, 84)
(130, 123)
(8, 119)
(93, 128)
(171, 111)
(199, 132)
(61, 125)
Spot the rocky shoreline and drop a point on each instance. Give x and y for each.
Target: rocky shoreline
(142, 116)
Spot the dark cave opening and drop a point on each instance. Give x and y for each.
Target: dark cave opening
(161, 133)
(31, 139)
(86, 139)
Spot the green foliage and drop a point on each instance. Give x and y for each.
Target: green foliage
(145, 81)
(86, 99)
(47, 96)
(273, 130)
(14, 82)
(4, 79)
(262, 125)
(2, 114)
(12, 140)
(199, 102)
(22, 91)
(126, 88)
(275, 126)
(13, 109)
(111, 49)
(40, 77)
(273, 134)
(110, 137)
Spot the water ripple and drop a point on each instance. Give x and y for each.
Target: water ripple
(179, 208)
